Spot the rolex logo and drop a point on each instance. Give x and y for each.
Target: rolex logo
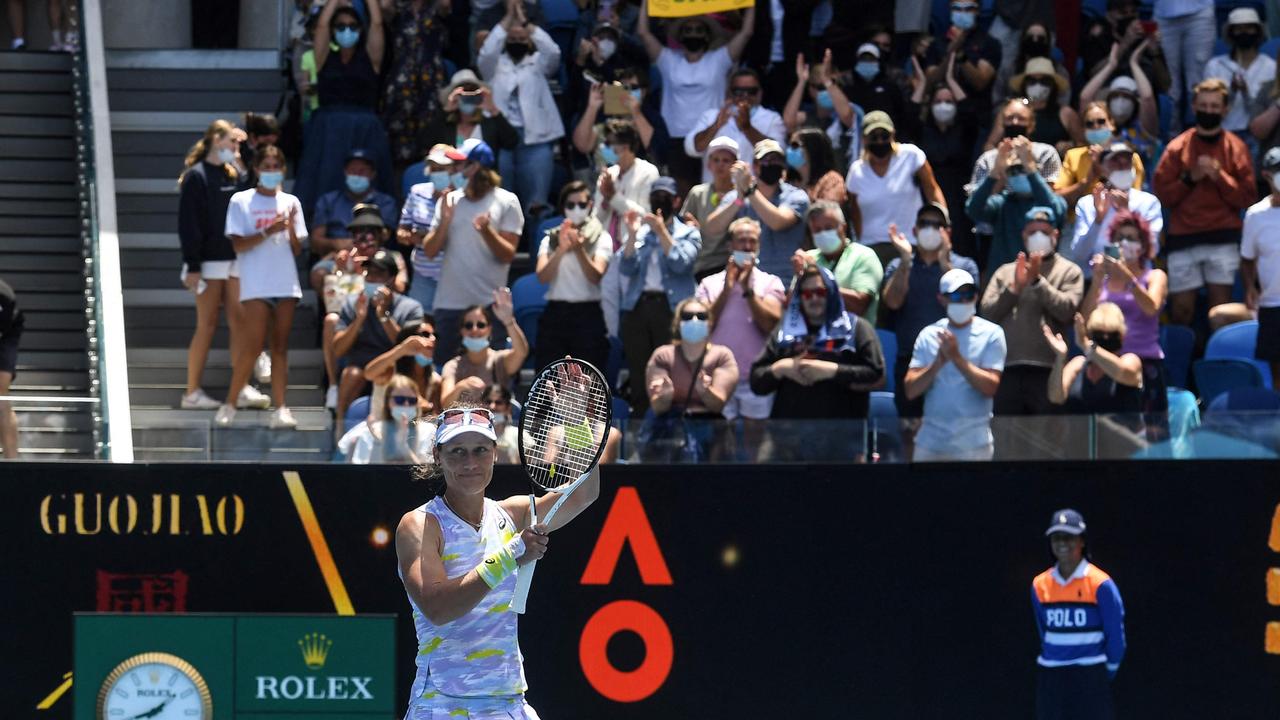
(315, 649)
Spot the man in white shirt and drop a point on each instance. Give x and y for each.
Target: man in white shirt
(1260, 265)
(741, 118)
(1095, 211)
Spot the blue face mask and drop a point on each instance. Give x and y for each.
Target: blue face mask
(1019, 184)
(422, 361)
(867, 69)
(457, 180)
(1097, 136)
(608, 155)
(475, 344)
(827, 241)
(226, 156)
(271, 179)
(638, 94)
(824, 98)
(795, 157)
(468, 106)
(964, 20)
(439, 179)
(742, 257)
(347, 37)
(694, 330)
(358, 184)
(371, 289)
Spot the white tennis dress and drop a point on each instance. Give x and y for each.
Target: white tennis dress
(471, 667)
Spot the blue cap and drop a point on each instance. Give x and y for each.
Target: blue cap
(1066, 521)
(478, 151)
(358, 154)
(1041, 213)
(664, 184)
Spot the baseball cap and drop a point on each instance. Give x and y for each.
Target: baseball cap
(384, 261)
(932, 207)
(442, 154)
(664, 184)
(458, 421)
(1123, 83)
(876, 120)
(1271, 160)
(358, 154)
(1041, 213)
(366, 215)
(477, 151)
(869, 49)
(723, 142)
(1115, 148)
(1243, 16)
(1066, 521)
(954, 279)
(767, 147)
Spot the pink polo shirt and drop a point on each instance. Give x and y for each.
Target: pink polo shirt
(734, 327)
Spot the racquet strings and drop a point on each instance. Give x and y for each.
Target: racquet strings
(564, 424)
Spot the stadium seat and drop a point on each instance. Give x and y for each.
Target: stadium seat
(413, 175)
(528, 300)
(536, 240)
(1216, 376)
(1178, 342)
(889, 344)
(882, 405)
(1245, 399)
(357, 411)
(616, 362)
(1237, 342)
(884, 437)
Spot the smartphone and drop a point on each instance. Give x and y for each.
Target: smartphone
(1112, 251)
(613, 99)
(1149, 27)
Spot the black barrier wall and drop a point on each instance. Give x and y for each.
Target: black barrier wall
(851, 591)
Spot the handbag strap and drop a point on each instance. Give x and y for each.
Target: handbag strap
(693, 379)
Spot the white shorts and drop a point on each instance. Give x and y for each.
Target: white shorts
(924, 454)
(213, 270)
(458, 710)
(1191, 268)
(744, 403)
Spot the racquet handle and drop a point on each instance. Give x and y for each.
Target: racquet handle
(524, 576)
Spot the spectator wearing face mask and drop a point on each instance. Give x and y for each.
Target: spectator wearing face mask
(1082, 169)
(394, 435)
(605, 55)
(886, 184)
(741, 117)
(1018, 121)
(948, 132)
(517, 58)
(1055, 124)
(745, 306)
(367, 324)
(856, 268)
(811, 164)
(477, 228)
(334, 212)
(1120, 38)
(1131, 101)
(413, 357)
(761, 194)
(261, 130)
(1114, 195)
(571, 260)
(872, 89)
(1036, 42)
(1244, 69)
(1205, 176)
(656, 264)
(690, 375)
(624, 184)
(975, 54)
(1002, 200)
(828, 108)
(498, 398)
(910, 290)
(704, 199)
(467, 111)
(693, 78)
(1037, 288)
(955, 369)
(477, 364)
(1104, 380)
(443, 176)
(590, 134)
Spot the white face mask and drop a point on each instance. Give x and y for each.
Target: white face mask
(1121, 179)
(226, 156)
(1121, 109)
(1038, 91)
(827, 241)
(577, 216)
(401, 413)
(944, 112)
(929, 238)
(961, 313)
(499, 418)
(607, 48)
(1040, 242)
(1130, 250)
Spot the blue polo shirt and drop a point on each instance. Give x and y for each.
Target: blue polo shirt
(921, 307)
(777, 247)
(333, 211)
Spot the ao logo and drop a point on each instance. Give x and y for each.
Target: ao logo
(1066, 617)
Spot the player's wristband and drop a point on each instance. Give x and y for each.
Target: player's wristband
(497, 566)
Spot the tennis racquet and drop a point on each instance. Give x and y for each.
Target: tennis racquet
(563, 428)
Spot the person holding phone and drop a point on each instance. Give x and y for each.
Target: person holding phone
(1114, 194)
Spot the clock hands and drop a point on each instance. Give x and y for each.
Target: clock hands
(153, 711)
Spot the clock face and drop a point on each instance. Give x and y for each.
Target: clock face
(154, 686)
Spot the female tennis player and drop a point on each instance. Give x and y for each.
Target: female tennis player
(459, 555)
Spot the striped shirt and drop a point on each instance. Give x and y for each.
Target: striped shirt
(1080, 618)
(419, 208)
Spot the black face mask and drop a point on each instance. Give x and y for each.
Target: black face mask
(694, 43)
(1013, 131)
(661, 204)
(516, 51)
(1109, 341)
(1208, 120)
(1039, 47)
(770, 174)
(879, 149)
(1246, 40)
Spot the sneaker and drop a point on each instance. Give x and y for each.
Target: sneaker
(262, 367)
(250, 397)
(225, 415)
(198, 399)
(18, 44)
(331, 398)
(71, 42)
(282, 418)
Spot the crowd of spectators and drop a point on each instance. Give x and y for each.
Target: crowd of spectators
(749, 203)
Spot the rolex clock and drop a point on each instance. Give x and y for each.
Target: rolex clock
(154, 686)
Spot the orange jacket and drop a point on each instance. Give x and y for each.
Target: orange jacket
(1208, 204)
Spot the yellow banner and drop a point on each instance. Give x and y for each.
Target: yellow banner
(685, 8)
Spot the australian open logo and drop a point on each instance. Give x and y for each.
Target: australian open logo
(315, 648)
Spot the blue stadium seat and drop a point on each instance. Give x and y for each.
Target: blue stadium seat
(536, 241)
(613, 368)
(621, 412)
(1165, 110)
(1270, 47)
(882, 405)
(357, 411)
(889, 344)
(528, 300)
(1237, 342)
(1216, 376)
(1245, 399)
(1178, 342)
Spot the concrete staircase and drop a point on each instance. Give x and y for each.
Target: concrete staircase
(42, 253)
(161, 102)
